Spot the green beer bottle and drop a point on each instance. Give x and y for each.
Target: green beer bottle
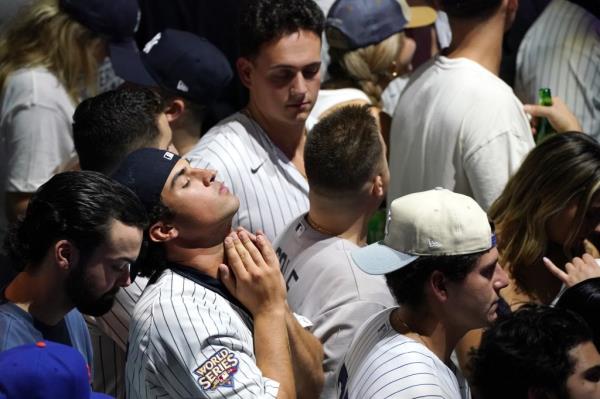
(544, 129)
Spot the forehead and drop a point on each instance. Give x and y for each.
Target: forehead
(179, 166)
(122, 240)
(584, 356)
(296, 49)
(488, 258)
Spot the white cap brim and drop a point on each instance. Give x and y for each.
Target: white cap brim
(378, 258)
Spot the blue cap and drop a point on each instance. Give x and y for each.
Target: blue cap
(45, 370)
(353, 24)
(145, 172)
(116, 19)
(181, 63)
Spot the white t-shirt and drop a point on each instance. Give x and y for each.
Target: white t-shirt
(271, 190)
(561, 51)
(328, 99)
(35, 130)
(384, 364)
(326, 286)
(457, 126)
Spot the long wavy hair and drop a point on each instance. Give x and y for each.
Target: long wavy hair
(563, 169)
(42, 35)
(363, 68)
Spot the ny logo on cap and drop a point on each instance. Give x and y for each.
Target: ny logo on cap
(153, 42)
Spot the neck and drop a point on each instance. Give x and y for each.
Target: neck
(205, 260)
(289, 138)
(427, 329)
(185, 138)
(349, 222)
(40, 294)
(479, 41)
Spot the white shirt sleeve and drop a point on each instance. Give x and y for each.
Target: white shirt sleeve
(196, 351)
(38, 144)
(489, 167)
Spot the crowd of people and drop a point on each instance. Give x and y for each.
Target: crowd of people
(189, 216)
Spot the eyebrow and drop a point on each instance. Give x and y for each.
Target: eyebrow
(177, 176)
(286, 66)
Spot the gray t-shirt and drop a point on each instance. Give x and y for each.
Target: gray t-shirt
(325, 286)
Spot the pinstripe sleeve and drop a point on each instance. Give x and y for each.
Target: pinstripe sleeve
(198, 350)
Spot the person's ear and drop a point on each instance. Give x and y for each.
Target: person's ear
(161, 232)
(244, 68)
(438, 285)
(66, 255)
(378, 187)
(175, 109)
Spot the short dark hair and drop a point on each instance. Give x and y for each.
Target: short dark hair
(75, 206)
(155, 259)
(584, 299)
(343, 151)
(111, 125)
(468, 9)
(528, 349)
(407, 283)
(262, 21)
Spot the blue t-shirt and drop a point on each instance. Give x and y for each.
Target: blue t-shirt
(17, 328)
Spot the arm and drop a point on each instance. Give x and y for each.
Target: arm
(260, 287)
(307, 358)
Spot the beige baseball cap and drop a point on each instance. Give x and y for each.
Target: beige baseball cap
(430, 223)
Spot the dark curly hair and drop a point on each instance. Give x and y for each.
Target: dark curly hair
(528, 350)
(76, 206)
(262, 21)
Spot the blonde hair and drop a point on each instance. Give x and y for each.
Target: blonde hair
(366, 66)
(42, 35)
(563, 170)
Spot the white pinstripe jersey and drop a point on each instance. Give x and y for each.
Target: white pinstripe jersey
(271, 190)
(109, 339)
(561, 51)
(188, 341)
(384, 364)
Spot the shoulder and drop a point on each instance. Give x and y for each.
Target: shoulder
(35, 87)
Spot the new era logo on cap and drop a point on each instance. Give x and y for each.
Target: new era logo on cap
(168, 155)
(182, 86)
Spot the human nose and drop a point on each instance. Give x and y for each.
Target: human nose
(299, 86)
(500, 277)
(124, 279)
(206, 175)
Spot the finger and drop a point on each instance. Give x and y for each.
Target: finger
(562, 276)
(537, 110)
(266, 249)
(240, 229)
(251, 248)
(241, 250)
(591, 249)
(227, 278)
(233, 258)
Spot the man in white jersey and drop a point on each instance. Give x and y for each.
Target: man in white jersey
(457, 124)
(258, 151)
(561, 51)
(440, 262)
(212, 321)
(348, 176)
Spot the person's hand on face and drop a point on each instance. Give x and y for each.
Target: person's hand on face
(253, 275)
(575, 271)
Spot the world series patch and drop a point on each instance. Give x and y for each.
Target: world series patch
(218, 370)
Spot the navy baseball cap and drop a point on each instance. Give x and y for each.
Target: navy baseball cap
(181, 63)
(117, 20)
(353, 24)
(45, 370)
(145, 172)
